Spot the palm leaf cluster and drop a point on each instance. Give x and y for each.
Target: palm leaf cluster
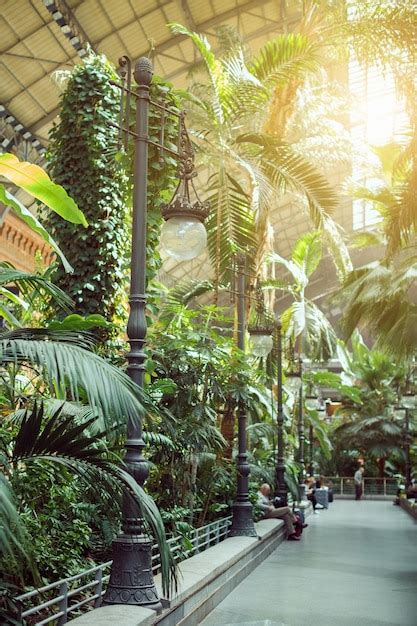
(303, 319)
(249, 169)
(68, 435)
(381, 297)
(59, 444)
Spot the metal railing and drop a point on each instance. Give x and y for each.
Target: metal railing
(67, 598)
(345, 486)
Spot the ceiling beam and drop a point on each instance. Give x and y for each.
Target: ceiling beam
(69, 25)
(18, 128)
(270, 26)
(186, 14)
(166, 45)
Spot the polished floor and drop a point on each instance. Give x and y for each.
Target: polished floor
(355, 566)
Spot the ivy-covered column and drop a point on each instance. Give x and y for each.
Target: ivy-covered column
(82, 159)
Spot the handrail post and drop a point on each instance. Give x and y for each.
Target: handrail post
(98, 588)
(341, 486)
(63, 603)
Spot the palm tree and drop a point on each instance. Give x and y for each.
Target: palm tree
(249, 166)
(54, 442)
(303, 319)
(368, 422)
(380, 295)
(62, 364)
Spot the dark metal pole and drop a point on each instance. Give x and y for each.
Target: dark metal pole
(280, 485)
(301, 437)
(407, 450)
(311, 450)
(131, 579)
(242, 523)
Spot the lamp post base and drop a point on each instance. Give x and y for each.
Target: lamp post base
(242, 524)
(131, 578)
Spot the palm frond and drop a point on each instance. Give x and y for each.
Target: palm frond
(285, 58)
(288, 170)
(66, 360)
(31, 285)
(230, 225)
(14, 543)
(59, 443)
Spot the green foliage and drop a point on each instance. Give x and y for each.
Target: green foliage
(367, 423)
(35, 181)
(55, 447)
(20, 309)
(197, 377)
(248, 167)
(82, 159)
(303, 319)
(26, 216)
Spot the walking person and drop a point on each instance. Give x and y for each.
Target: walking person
(358, 478)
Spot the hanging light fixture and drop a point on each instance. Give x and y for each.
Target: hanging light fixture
(409, 399)
(293, 377)
(312, 402)
(261, 331)
(183, 235)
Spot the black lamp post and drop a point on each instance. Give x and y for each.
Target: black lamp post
(408, 403)
(131, 577)
(280, 485)
(295, 383)
(242, 523)
(313, 404)
(301, 435)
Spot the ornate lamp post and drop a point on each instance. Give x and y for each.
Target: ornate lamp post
(408, 403)
(131, 578)
(242, 523)
(312, 404)
(295, 383)
(280, 485)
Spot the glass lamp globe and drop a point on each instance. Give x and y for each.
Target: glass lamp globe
(312, 403)
(261, 345)
(183, 238)
(293, 382)
(408, 401)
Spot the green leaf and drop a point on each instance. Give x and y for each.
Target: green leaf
(36, 181)
(26, 216)
(307, 252)
(78, 322)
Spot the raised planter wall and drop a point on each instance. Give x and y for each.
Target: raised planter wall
(205, 580)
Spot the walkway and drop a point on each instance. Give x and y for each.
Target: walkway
(355, 566)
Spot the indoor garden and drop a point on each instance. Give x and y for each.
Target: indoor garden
(225, 290)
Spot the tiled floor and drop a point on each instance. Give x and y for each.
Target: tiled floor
(355, 566)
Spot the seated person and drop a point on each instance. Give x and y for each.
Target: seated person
(310, 492)
(269, 511)
(412, 490)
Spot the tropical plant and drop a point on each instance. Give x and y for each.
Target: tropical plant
(367, 421)
(39, 364)
(303, 319)
(56, 445)
(248, 165)
(35, 181)
(199, 375)
(379, 296)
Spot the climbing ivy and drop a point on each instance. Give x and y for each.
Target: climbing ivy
(82, 159)
(85, 160)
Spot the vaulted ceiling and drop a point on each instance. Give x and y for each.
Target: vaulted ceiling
(40, 37)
